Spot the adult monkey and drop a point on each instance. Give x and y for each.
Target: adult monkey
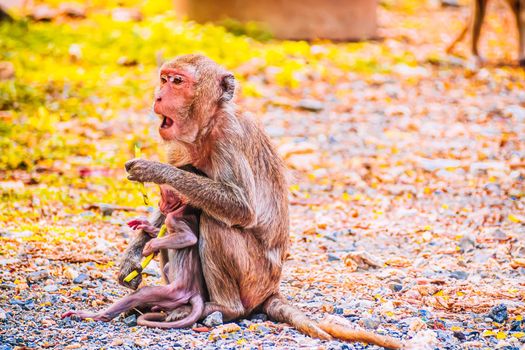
(244, 222)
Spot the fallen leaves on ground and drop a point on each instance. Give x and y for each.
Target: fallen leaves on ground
(407, 168)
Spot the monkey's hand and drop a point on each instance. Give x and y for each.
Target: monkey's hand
(145, 226)
(142, 170)
(151, 247)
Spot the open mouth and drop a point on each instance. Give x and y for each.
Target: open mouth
(166, 122)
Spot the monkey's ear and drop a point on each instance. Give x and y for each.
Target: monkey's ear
(227, 86)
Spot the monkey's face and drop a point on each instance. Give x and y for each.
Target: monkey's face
(192, 90)
(169, 200)
(173, 101)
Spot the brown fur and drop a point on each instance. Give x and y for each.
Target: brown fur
(244, 222)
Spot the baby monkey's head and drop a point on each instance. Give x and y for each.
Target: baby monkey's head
(169, 200)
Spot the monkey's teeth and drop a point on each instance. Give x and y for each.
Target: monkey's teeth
(166, 122)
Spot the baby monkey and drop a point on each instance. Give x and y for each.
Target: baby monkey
(182, 269)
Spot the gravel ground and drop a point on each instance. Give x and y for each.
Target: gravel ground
(407, 218)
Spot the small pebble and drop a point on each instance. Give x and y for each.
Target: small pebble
(36, 276)
(499, 235)
(311, 105)
(80, 278)
(396, 287)
(460, 336)
(459, 275)
(263, 329)
(370, 322)
(130, 321)
(213, 320)
(51, 288)
(245, 323)
(498, 313)
(332, 257)
(259, 318)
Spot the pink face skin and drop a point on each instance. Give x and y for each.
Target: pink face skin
(169, 200)
(173, 100)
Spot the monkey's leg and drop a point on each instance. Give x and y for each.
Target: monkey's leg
(183, 238)
(152, 319)
(133, 254)
(480, 7)
(147, 296)
(518, 9)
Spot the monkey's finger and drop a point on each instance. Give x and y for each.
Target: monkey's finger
(130, 163)
(134, 224)
(133, 178)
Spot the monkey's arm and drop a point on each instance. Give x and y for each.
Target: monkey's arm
(133, 254)
(226, 202)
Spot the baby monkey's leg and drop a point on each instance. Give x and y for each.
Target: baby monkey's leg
(146, 296)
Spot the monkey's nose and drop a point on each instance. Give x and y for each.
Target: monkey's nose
(159, 99)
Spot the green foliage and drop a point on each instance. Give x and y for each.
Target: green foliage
(78, 76)
(252, 29)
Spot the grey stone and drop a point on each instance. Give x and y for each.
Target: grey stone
(396, 287)
(370, 322)
(467, 243)
(332, 257)
(259, 318)
(499, 235)
(459, 275)
(213, 320)
(80, 278)
(499, 313)
(130, 321)
(311, 105)
(263, 329)
(51, 288)
(36, 276)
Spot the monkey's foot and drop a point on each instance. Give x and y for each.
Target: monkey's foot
(179, 313)
(85, 315)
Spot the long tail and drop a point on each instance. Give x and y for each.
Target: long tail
(155, 319)
(278, 310)
(340, 328)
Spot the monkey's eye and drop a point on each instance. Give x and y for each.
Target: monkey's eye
(163, 79)
(175, 79)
